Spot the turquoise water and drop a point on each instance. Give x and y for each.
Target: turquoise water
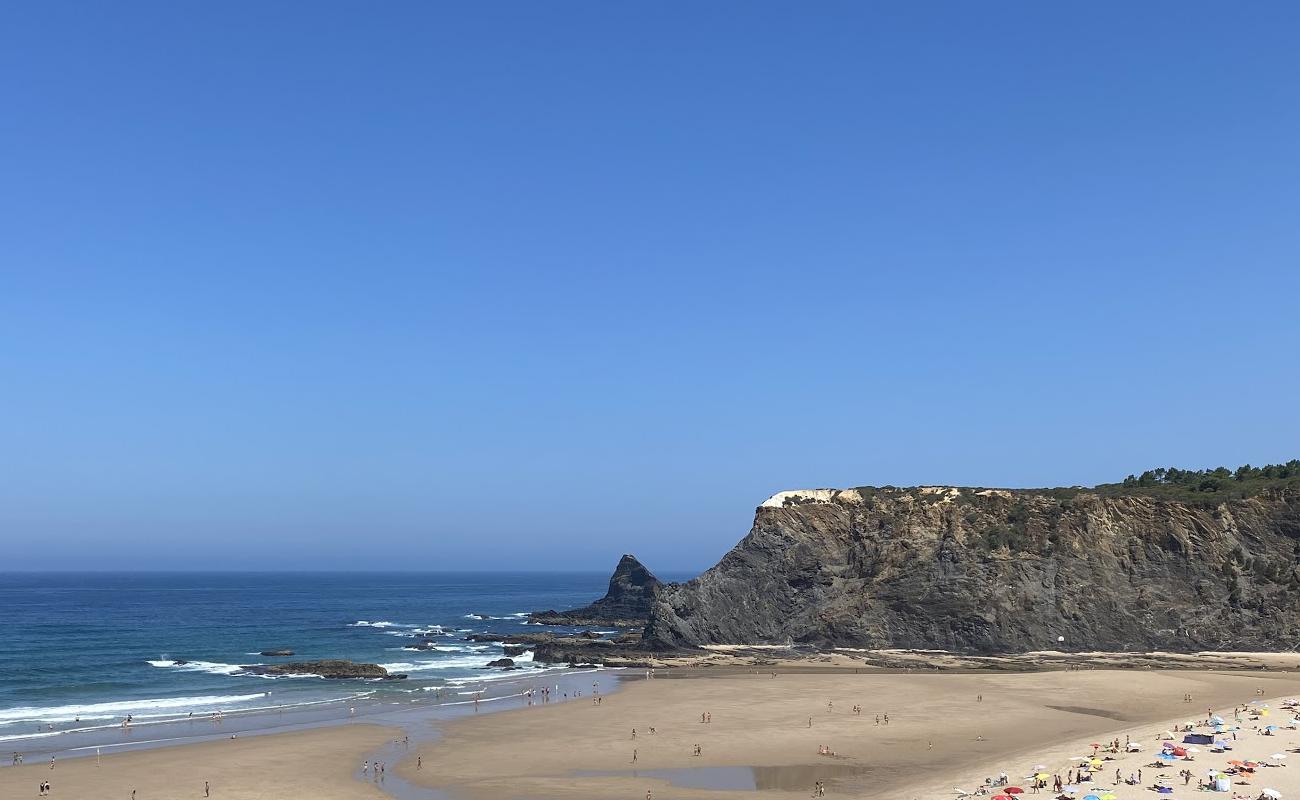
(81, 651)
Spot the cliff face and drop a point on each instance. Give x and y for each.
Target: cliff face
(998, 571)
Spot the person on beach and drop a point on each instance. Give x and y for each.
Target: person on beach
(419, 762)
(633, 755)
(207, 790)
(51, 762)
(365, 768)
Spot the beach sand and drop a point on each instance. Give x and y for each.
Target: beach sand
(939, 736)
(763, 721)
(312, 765)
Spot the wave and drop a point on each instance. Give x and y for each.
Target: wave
(120, 708)
(463, 662)
(383, 623)
(210, 667)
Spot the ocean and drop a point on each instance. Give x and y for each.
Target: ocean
(79, 652)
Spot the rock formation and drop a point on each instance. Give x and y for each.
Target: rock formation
(331, 668)
(999, 571)
(632, 590)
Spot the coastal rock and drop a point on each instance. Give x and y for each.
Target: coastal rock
(502, 662)
(330, 668)
(514, 649)
(990, 571)
(512, 638)
(627, 603)
(277, 652)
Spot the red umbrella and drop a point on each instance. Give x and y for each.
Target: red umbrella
(1013, 790)
(1001, 797)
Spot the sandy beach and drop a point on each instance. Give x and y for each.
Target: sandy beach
(761, 733)
(940, 733)
(311, 765)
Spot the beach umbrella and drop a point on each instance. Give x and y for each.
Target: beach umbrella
(1274, 793)
(1108, 796)
(1166, 756)
(1270, 727)
(1042, 776)
(1216, 719)
(1001, 797)
(1091, 797)
(1013, 790)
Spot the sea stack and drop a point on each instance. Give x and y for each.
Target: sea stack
(627, 603)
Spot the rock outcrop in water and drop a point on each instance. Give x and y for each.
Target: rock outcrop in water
(632, 590)
(330, 668)
(999, 571)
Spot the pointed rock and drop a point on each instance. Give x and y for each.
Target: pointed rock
(632, 591)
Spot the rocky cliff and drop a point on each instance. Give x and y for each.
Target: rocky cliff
(632, 590)
(999, 571)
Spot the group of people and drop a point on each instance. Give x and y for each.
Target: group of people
(378, 769)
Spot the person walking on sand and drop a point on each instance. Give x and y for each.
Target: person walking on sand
(419, 762)
(633, 755)
(207, 790)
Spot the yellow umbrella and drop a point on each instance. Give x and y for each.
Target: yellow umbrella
(1108, 796)
(1042, 776)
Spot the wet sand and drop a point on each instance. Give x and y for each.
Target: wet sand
(312, 765)
(939, 734)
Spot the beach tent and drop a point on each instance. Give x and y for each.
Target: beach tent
(1198, 738)
(1222, 784)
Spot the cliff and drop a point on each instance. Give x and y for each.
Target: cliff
(632, 590)
(999, 571)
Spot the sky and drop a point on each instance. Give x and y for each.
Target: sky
(528, 285)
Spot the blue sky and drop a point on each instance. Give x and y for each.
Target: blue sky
(528, 285)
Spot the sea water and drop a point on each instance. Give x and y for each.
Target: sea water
(83, 651)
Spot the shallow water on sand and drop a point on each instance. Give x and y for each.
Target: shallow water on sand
(799, 777)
